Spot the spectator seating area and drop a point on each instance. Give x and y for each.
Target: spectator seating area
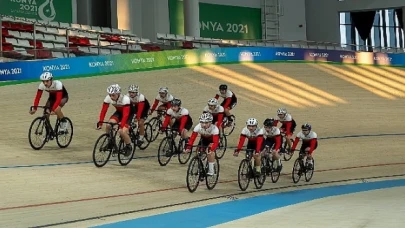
(21, 39)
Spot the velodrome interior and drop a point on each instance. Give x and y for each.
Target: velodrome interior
(357, 111)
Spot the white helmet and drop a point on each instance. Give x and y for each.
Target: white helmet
(212, 101)
(46, 76)
(252, 122)
(206, 117)
(133, 88)
(114, 89)
(281, 111)
(163, 90)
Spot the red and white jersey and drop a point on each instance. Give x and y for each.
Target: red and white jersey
(310, 136)
(137, 99)
(123, 100)
(166, 99)
(219, 109)
(228, 94)
(177, 115)
(287, 118)
(252, 135)
(56, 86)
(206, 133)
(274, 131)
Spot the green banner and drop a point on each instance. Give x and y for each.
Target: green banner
(219, 21)
(46, 10)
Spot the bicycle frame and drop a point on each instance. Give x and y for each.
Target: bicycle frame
(46, 114)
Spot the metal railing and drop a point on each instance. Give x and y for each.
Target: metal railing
(127, 43)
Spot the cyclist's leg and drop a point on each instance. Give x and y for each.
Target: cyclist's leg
(187, 127)
(256, 157)
(59, 113)
(141, 123)
(210, 156)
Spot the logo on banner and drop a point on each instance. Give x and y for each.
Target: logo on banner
(49, 13)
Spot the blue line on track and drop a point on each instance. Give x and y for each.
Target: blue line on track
(216, 214)
(154, 156)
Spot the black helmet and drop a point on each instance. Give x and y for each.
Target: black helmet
(306, 126)
(223, 87)
(269, 122)
(176, 102)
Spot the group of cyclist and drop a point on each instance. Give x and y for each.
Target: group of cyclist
(134, 107)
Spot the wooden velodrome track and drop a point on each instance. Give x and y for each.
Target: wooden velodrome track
(357, 111)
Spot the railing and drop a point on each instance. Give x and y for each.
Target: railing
(125, 44)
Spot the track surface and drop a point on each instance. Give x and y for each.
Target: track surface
(356, 110)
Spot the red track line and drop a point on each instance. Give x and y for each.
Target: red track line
(174, 188)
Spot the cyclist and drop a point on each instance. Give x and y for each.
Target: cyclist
(288, 124)
(209, 139)
(229, 101)
(182, 119)
(255, 140)
(216, 110)
(140, 107)
(58, 97)
(309, 142)
(272, 140)
(122, 114)
(164, 97)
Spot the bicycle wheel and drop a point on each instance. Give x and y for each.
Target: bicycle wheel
(259, 181)
(165, 151)
(296, 172)
(223, 143)
(183, 157)
(211, 181)
(286, 147)
(275, 175)
(39, 129)
(156, 125)
(244, 174)
(125, 159)
(309, 172)
(104, 149)
(227, 130)
(147, 137)
(64, 138)
(193, 174)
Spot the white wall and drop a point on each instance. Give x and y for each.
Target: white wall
(293, 16)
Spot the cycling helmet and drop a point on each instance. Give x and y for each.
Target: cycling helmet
(114, 89)
(281, 111)
(163, 90)
(46, 76)
(252, 122)
(269, 122)
(306, 126)
(212, 101)
(223, 87)
(206, 118)
(176, 102)
(133, 88)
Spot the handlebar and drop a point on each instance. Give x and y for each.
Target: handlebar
(43, 107)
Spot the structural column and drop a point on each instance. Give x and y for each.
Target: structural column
(403, 18)
(191, 18)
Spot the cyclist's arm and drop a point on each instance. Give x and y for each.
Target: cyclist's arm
(277, 140)
(241, 141)
(141, 106)
(220, 119)
(183, 121)
(296, 140)
(125, 115)
(227, 102)
(312, 144)
(191, 140)
(166, 122)
(37, 98)
(103, 111)
(215, 142)
(155, 104)
(259, 142)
